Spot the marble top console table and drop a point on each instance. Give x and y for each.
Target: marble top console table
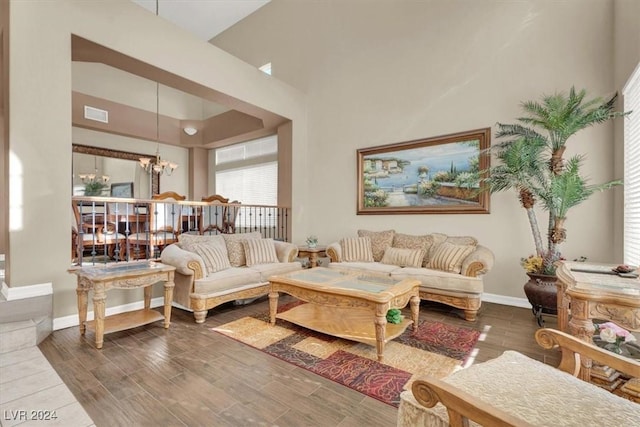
(101, 279)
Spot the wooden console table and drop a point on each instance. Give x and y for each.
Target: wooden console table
(588, 291)
(136, 275)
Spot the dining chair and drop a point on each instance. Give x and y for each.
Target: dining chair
(163, 227)
(93, 231)
(220, 216)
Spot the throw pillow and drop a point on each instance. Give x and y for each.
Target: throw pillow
(439, 238)
(259, 251)
(380, 241)
(235, 248)
(189, 241)
(356, 249)
(403, 257)
(449, 257)
(214, 258)
(408, 241)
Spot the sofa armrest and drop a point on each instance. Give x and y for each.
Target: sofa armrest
(334, 251)
(185, 262)
(286, 251)
(478, 262)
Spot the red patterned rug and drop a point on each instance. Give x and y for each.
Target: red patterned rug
(435, 349)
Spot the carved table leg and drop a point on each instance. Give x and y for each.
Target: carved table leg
(273, 306)
(414, 302)
(313, 259)
(99, 299)
(82, 308)
(147, 297)
(562, 305)
(381, 330)
(581, 326)
(168, 298)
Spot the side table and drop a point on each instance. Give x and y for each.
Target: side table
(135, 275)
(312, 253)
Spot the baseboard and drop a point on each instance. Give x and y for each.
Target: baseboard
(22, 292)
(72, 320)
(505, 300)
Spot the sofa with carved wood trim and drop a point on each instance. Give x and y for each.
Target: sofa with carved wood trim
(214, 269)
(450, 268)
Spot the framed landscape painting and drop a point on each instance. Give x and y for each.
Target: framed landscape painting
(435, 175)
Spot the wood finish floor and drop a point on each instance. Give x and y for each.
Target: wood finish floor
(190, 376)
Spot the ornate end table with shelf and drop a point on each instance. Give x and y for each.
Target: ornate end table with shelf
(588, 291)
(135, 275)
(312, 253)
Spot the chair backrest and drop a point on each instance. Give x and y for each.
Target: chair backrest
(167, 216)
(218, 219)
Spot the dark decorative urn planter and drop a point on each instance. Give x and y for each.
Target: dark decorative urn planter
(542, 294)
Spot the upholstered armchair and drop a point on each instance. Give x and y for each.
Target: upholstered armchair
(515, 390)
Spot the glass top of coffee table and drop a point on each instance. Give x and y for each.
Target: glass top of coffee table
(356, 281)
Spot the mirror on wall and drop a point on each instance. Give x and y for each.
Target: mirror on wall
(95, 169)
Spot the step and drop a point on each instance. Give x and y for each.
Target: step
(17, 335)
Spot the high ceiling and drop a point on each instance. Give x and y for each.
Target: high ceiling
(204, 18)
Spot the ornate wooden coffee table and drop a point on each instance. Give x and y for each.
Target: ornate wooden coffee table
(350, 306)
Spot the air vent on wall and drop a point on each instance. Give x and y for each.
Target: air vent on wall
(96, 114)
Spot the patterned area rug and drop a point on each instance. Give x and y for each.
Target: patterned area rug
(435, 349)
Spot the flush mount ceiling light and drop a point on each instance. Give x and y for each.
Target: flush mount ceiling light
(189, 130)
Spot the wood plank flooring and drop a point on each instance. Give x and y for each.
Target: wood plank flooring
(190, 376)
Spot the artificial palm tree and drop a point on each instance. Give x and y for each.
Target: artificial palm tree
(532, 163)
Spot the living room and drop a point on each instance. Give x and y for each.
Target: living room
(348, 76)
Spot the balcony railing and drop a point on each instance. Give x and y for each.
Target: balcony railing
(106, 229)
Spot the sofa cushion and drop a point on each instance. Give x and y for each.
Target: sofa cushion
(268, 270)
(449, 256)
(439, 238)
(357, 249)
(380, 241)
(408, 241)
(215, 259)
(439, 280)
(403, 257)
(259, 251)
(364, 267)
(224, 280)
(235, 248)
(188, 241)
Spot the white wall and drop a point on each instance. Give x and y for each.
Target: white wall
(388, 72)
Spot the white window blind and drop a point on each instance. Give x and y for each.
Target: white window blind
(631, 93)
(248, 150)
(253, 185)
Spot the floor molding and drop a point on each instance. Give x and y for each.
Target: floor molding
(22, 292)
(505, 300)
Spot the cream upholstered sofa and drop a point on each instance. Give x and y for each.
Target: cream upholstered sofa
(513, 389)
(450, 268)
(211, 270)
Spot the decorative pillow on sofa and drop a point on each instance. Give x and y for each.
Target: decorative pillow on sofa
(408, 241)
(439, 238)
(380, 241)
(259, 251)
(449, 257)
(356, 249)
(189, 241)
(403, 257)
(215, 259)
(235, 248)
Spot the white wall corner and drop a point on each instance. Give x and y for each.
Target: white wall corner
(22, 292)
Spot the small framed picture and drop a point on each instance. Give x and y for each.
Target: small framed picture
(122, 190)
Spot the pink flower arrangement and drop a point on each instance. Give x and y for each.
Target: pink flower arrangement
(614, 335)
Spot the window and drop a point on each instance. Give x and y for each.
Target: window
(248, 173)
(631, 94)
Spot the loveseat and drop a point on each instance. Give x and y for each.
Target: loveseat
(214, 269)
(449, 268)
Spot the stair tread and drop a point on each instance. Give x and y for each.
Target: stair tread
(14, 326)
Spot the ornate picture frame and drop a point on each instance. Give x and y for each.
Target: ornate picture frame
(437, 175)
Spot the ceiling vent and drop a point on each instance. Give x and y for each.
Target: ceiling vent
(92, 113)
